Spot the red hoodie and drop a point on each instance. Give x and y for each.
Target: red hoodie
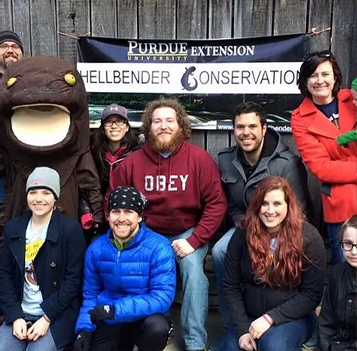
(184, 190)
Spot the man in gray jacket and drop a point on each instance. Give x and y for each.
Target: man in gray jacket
(260, 152)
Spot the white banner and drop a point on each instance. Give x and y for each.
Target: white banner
(192, 78)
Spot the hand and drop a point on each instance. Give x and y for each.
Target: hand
(83, 341)
(259, 327)
(101, 312)
(182, 248)
(38, 329)
(247, 342)
(19, 328)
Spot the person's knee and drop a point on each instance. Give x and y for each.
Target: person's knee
(219, 251)
(192, 270)
(275, 342)
(156, 324)
(154, 333)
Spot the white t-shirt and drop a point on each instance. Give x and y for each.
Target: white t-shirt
(32, 296)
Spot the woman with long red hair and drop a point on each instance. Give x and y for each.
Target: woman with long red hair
(274, 272)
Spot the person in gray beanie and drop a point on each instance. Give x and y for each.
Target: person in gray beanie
(41, 271)
(11, 48)
(44, 178)
(129, 282)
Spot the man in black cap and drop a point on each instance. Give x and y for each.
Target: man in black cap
(11, 49)
(129, 282)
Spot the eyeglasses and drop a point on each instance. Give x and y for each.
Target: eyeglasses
(12, 46)
(348, 246)
(118, 122)
(323, 54)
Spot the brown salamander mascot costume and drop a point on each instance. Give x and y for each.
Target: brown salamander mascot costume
(44, 121)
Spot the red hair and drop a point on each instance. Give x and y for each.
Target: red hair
(285, 269)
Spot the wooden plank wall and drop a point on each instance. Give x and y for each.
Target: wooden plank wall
(38, 21)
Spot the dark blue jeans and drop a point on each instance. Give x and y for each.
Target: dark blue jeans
(332, 231)
(287, 336)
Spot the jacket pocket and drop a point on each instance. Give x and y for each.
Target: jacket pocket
(229, 179)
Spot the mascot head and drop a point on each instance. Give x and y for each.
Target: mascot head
(43, 107)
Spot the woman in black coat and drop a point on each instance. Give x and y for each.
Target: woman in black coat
(274, 272)
(337, 321)
(41, 271)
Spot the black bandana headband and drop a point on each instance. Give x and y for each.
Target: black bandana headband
(127, 197)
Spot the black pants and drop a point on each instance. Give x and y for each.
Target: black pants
(148, 334)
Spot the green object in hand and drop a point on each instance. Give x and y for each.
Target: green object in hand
(347, 138)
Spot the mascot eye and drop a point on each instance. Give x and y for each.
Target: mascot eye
(70, 79)
(11, 81)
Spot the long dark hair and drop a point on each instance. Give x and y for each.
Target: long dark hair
(99, 146)
(286, 269)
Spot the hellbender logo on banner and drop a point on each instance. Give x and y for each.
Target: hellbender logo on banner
(197, 70)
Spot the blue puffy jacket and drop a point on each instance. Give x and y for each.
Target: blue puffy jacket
(139, 280)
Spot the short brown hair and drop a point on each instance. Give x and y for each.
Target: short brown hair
(350, 222)
(181, 115)
(309, 66)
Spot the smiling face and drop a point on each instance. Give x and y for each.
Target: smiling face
(249, 133)
(41, 202)
(165, 130)
(350, 237)
(273, 210)
(10, 52)
(115, 128)
(124, 223)
(320, 84)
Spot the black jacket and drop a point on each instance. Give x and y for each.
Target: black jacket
(276, 160)
(58, 268)
(337, 322)
(248, 298)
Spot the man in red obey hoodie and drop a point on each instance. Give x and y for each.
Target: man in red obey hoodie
(186, 202)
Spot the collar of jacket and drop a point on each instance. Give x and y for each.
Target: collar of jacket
(136, 240)
(52, 233)
(319, 122)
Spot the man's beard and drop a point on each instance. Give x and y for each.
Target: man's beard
(166, 146)
(7, 63)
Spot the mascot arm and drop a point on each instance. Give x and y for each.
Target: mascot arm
(89, 185)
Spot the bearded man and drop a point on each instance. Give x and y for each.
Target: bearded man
(129, 282)
(11, 49)
(186, 202)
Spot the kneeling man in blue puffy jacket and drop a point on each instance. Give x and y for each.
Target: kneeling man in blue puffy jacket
(129, 282)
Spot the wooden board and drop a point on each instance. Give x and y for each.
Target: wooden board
(43, 27)
(73, 19)
(253, 18)
(216, 141)
(290, 17)
(192, 23)
(127, 19)
(320, 18)
(22, 23)
(6, 17)
(157, 19)
(198, 138)
(344, 37)
(220, 19)
(104, 18)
